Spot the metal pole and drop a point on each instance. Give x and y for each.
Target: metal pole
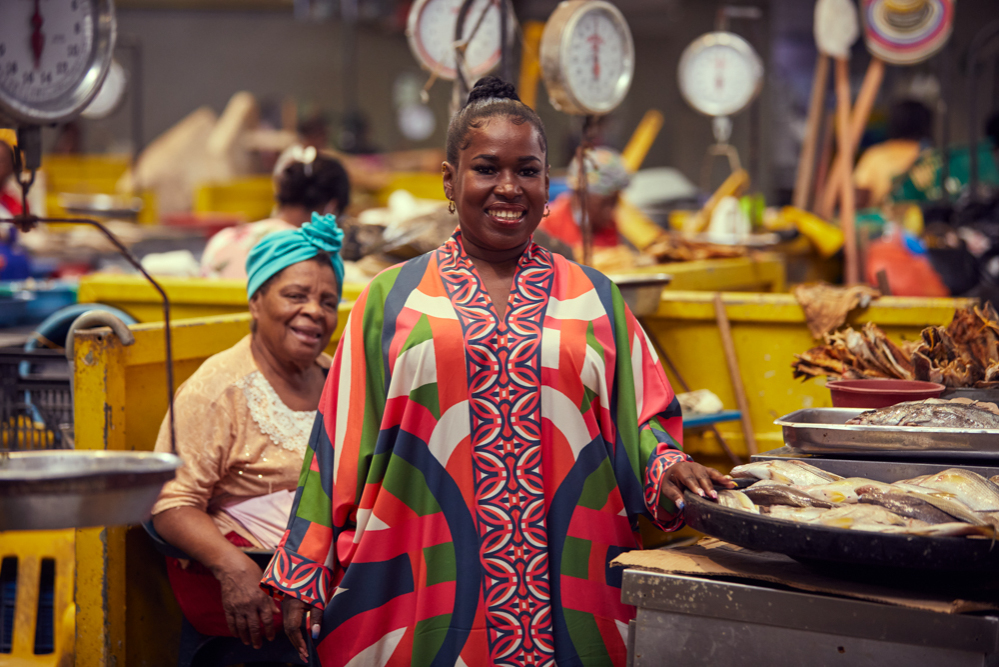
(27, 222)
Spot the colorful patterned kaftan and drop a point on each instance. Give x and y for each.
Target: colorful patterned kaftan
(469, 479)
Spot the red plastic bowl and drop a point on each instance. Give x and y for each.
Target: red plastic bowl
(873, 394)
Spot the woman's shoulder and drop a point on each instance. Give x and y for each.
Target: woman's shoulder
(220, 372)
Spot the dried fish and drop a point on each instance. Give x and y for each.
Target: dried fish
(785, 471)
(778, 494)
(965, 353)
(737, 500)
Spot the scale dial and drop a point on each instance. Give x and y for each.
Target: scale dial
(587, 57)
(54, 55)
(720, 74)
(430, 31)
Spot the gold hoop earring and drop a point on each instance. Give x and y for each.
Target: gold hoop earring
(547, 211)
(450, 207)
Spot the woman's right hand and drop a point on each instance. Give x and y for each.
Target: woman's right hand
(293, 609)
(248, 609)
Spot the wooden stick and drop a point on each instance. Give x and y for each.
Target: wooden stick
(806, 163)
(736, 461)
(728, 345)
(847, 212)
(858, 121)
(825, 157)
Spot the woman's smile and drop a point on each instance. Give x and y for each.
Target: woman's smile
(500, 184)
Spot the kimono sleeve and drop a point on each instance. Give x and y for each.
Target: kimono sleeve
(649, 420)
(318, 542)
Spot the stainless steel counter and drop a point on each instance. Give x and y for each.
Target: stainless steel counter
(697, 621)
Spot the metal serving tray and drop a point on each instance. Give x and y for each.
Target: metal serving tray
(824, 431)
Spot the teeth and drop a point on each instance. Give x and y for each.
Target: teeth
(506, 215)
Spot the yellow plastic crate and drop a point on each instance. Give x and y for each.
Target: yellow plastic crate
(420, 184)
(251, 197)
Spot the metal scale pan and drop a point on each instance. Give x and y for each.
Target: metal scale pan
(47, 490)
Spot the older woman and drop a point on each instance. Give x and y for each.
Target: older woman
(243, 422)
(494, 423)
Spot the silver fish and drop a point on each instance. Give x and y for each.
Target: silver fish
(953, 529)
(778, 494)
(969, 487)
(944, 502)
(930, 413)
(786, 472)
(797, 514)
(850, 516)
(904, 504)
(842, 491)
(737, 500)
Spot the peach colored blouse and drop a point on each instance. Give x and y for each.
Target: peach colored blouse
(226, 252)
(237, 438)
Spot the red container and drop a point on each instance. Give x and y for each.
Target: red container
(873, 394)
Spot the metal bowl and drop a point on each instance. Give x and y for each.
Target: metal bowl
(642, 291)
(47, 490)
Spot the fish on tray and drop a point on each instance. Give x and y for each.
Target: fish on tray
(797, 514)
(904, 504)
(786, 472)
(857, 516)
(841, 491)
(933, 413)
(969, 487)
(736, 500)
(778, 494)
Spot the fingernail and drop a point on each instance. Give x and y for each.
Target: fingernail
(680, 505)
(315, 631)
(700, 492)
(714, 494)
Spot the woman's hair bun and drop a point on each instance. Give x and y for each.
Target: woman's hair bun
(492, 87)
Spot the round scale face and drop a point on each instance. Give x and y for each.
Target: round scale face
(596, 58)
(45, 47)
(720, 74)
(587, 57)
(431, 29)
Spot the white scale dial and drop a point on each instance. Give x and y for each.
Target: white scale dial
(595, 58)
(587, 57)
(431, 29)
(720, 74)
(45, 47)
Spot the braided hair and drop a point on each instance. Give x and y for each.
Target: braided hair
(490, 97)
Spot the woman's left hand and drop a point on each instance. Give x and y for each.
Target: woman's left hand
(699, 479)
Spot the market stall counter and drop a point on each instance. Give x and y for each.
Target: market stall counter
(762, 590)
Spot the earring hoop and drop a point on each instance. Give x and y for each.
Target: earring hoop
(547, 211)
(450, 206)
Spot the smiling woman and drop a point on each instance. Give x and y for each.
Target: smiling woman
(494, 423)
(243, 422)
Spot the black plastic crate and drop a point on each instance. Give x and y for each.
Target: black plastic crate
(35, 399)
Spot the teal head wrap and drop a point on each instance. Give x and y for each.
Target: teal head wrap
(276, 252)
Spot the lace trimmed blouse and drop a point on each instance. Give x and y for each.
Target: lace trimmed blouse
(237, 438)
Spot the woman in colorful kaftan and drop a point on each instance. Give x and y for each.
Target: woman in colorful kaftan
(243, 421)
(494, 423)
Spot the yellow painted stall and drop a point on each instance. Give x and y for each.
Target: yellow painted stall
(202, 297)
(126, 612)
(767, 330)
